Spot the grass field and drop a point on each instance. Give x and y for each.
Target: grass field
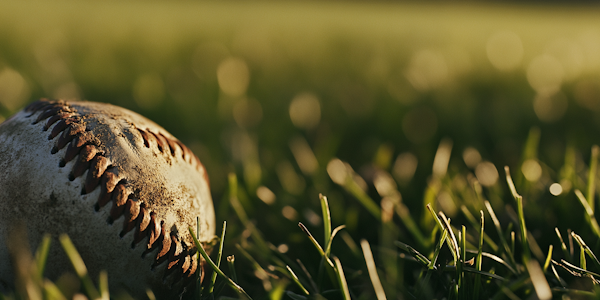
(383, 108)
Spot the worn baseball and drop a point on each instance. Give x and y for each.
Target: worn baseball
(124, 190)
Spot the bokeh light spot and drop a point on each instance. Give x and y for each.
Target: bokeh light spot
(283, 248)
(312, 217)
(505, 50)
(427, 70)
(532, 170)
(556, 189)
(337, 171)
(305, 111)
(14, 90)
(265, 194)
(305, 157)
(233, 75)
(384, 184)
(486, 173)
(545, 74)
(405, 167)
(471, 157)
(289, 213)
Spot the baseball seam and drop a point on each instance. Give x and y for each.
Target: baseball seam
(82, 145)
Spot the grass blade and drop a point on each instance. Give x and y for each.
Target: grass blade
(591, 187)
(584, 247)
(312, 239)
(486, 238)
(297, 281)
(563, 246)
(590, 213)
(216, 269)
(231, 264)
(540, 284)
(41, 255)
(411, 225)
(51, 291)
(103, 285)
(522, 226)
(213, 278)
(500, 234)
(333, 234)
(478, 260)
(548, 258)
(341, 278)
(79, 266)
(326, 220)
(371, 268)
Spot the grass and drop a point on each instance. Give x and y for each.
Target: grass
(398, 190)
(458, 264)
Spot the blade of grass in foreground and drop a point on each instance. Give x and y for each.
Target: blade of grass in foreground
(591, 188)
(479, 258)
(51, 291)
(488, 240)
(211, 285)
(507, 250)
(216, 269)
(371, 268)
(585, 248)
(540, 284)
(341, 278)
(523, 228)
(563, 246)
(79, 266)
(326, 219)
(41, 255)
(297, 281)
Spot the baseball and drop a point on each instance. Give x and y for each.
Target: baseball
(122, 188)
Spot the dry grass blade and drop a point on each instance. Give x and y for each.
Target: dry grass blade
(563, 246)
(511, 184)
(371, 268)
(577, 271)
(312, 238)
(452, 239)
(590, 213)
(297, 281)
(540, 284)
(584, 247)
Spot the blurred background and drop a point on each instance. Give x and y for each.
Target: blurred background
(276, 91)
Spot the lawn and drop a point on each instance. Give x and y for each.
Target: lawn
(383, 108)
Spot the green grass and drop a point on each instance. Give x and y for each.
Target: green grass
(399, 188)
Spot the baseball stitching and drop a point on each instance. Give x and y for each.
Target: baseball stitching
(82, 145)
